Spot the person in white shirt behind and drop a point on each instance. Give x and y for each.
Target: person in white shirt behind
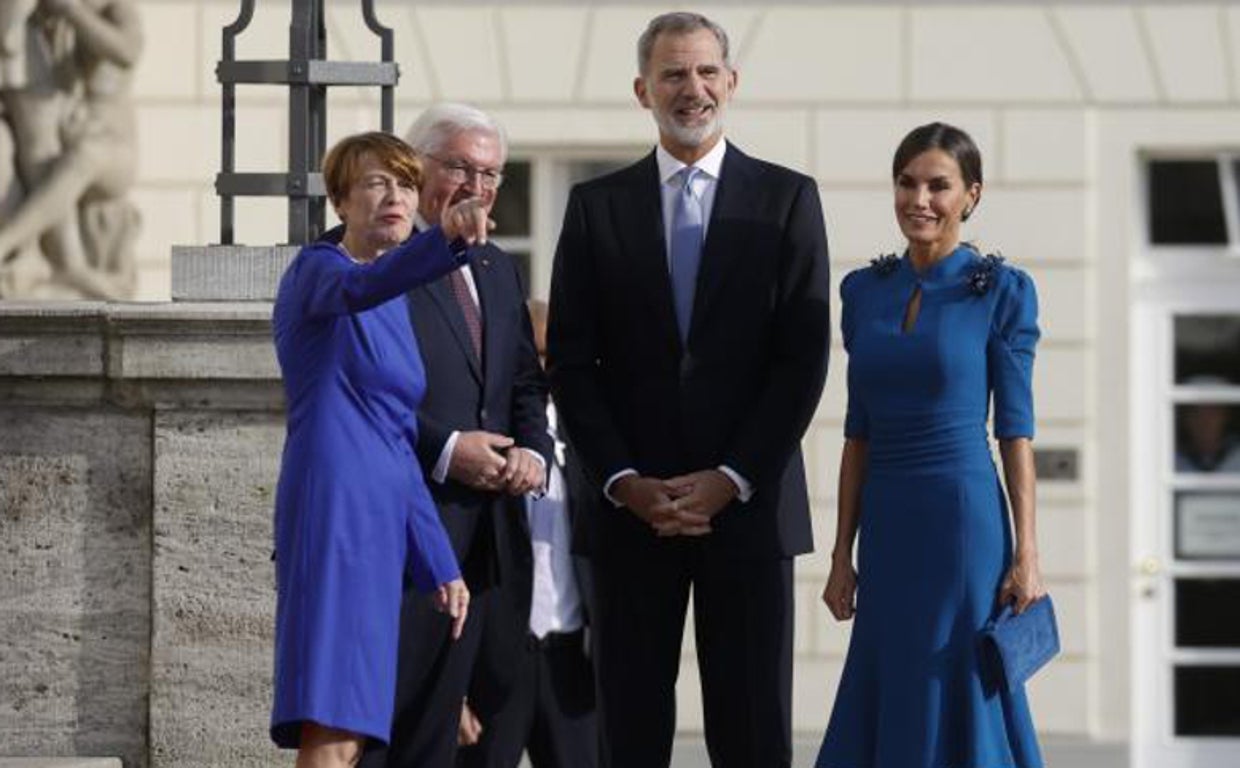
(532, 686)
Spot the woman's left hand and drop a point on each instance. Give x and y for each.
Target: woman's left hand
(470, 729)
(1022, 585)
(453, 599)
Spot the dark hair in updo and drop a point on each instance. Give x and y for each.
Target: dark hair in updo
(947, 138)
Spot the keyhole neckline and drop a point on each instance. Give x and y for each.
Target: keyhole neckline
(949, 267)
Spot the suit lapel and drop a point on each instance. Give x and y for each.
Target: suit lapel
(640, 213)
(440, 292)
(721, 249)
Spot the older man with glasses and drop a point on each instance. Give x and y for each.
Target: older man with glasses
(482, 430)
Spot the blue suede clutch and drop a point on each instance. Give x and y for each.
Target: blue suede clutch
(1019, 646)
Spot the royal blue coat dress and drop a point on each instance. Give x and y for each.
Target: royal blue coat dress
(353, 514)
(934, 540)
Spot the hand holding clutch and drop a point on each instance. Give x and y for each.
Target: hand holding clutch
(1017, 646)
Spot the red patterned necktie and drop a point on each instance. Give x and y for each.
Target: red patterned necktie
(473, 318)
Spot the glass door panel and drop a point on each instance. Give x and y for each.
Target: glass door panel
(1207, 349)
(1207, 438)
(1207, 613)
(1207, 526)
(1207, 701)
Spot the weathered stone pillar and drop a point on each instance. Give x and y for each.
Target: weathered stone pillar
(139, 446)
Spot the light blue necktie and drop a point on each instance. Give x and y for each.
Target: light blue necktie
(686, 247)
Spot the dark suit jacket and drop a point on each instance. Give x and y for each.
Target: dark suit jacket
(505, 392)
(743, 389)
(503, 647)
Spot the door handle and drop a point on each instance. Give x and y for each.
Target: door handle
(1149, 568)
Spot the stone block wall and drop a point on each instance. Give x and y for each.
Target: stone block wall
(139, 448)
(75, 589)
(214, 595)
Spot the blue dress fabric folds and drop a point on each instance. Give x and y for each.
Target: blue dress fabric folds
(353, 515)
(934, 539)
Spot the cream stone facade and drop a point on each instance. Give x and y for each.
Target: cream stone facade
(1066, 101)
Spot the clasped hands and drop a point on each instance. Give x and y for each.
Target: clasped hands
(491, 462)
(678, 506)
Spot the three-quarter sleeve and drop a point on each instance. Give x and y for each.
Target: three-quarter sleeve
(856, 419)
(1009, 354)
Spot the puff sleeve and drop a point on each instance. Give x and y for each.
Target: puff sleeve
(856, 419)
(1010, 349)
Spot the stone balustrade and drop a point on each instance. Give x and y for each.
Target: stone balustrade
(139, 449)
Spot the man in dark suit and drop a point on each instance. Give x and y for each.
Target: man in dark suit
(482, 429)
(688, 349)
(533, 688)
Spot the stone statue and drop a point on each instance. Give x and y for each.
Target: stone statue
(72, 127)
(13, 15)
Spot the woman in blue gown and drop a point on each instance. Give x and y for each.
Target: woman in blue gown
(353, 515)
(931, 337)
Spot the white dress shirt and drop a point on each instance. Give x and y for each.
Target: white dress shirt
(703, 187)
(555, 603)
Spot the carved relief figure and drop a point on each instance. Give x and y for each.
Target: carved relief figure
(13, 16)
(73, 127)
(13, 30)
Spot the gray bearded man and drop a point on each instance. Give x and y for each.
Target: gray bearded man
(688, 349)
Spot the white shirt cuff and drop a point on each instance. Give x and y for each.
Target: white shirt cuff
(744, 489)
(612, 481)
(440, 473)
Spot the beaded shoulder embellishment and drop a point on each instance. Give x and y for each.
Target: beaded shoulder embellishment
(984, 274)
(885, 264)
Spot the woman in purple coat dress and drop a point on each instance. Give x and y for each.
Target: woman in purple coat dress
(353, 517)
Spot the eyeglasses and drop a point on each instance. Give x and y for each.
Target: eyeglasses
(460, 173)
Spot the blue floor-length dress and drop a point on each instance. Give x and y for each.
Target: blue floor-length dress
(934, 541)
(352, 510)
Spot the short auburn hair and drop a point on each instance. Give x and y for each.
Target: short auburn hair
(343, 163)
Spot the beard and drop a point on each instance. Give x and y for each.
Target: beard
(689, 135)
